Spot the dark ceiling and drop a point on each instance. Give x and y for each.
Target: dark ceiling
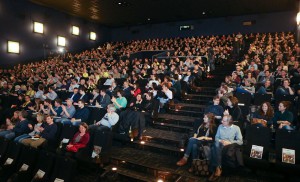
(135, 12)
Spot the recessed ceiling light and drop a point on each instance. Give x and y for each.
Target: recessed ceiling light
(149, 19)
(119, 3)
(203, 12)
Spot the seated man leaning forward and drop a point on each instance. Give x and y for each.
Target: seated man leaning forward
(109, 120)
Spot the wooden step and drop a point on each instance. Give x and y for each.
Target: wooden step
(159, 148)
(172, 127)
(176, 117)
(187, 106)
(187, 112)
(196, 101)
(158, 165)
(199, 95)
(161, 135)
(131, 174)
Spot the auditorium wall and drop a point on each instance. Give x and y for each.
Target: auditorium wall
(16, 18)
(272, 22)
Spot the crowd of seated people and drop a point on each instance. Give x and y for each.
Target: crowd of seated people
(277, 51)
(93, 85)
(106, 78)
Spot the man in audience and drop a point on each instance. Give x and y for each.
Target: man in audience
(39, 94)
(96, 97)
(285, 89)
(67, 111)
(267, 88)
(216, 109)
(20, 128)
(83, 95)
(47, 133)
(52, 95)
(81, 115)
(228, 135)
(75, 95)
(57, 109)
(104, 99)
(108, 121)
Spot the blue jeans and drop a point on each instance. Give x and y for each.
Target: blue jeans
(240, 90)
(192, 147)
(281, 91)
(8, 134)
(68, 121)
(216, 154)
(262, 90)
(21, 137)
(287, 127)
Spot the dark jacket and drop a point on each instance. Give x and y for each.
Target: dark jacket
(75, 97)
(82, 114)
(21, 127)
(49, 132)
(104, 101)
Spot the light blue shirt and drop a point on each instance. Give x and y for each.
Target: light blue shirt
(230, 133)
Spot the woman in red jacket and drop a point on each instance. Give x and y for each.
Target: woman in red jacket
(80, 139)
(136, 90)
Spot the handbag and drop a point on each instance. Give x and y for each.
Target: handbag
(201, 166)
(259, 121)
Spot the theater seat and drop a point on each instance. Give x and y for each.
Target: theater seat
(288, 140)
(259, 136)
(3, 147)
(10, 160)
(25, 165)
(260, 98)
(44, 166)
(64, 169)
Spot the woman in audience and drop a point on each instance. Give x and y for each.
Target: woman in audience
(204, 134)
(119, 102)
(136, 90)
(265, 113)
(80, 139)
(233, 109)
(283, 118)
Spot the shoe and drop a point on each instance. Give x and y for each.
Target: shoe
(218, 172)
(215, 176)
(191, 170)
(182, 162)
(211, 178)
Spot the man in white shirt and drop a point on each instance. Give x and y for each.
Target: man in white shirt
(109, 119)
(109, 80)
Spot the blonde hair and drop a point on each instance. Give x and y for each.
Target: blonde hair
(40, 117)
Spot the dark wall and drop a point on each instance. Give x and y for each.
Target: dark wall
(16, 18)
(283, 21)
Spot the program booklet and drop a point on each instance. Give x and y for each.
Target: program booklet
(256, 152)
(288, 156)
(96, 151)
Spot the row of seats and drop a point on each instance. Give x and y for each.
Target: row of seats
(20, 163)
(262, 136)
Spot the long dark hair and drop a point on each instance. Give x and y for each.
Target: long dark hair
(211, 121)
